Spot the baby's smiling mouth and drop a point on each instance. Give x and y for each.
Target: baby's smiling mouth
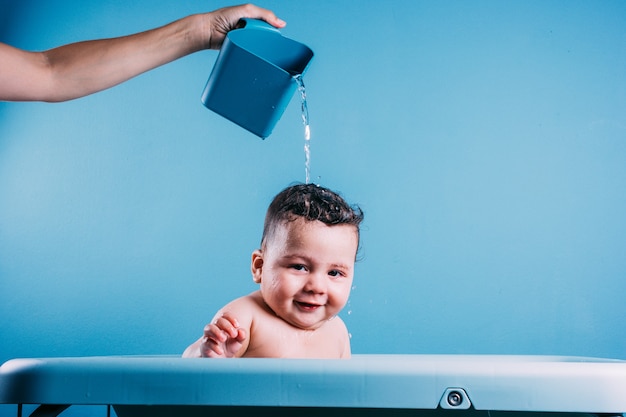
(306, 306)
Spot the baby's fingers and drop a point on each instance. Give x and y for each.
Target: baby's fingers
(212, 341)
(241, 335)
(228, 324)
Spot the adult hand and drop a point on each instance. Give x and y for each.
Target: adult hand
(224, 20)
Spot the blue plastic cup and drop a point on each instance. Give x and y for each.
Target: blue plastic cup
(253, 79)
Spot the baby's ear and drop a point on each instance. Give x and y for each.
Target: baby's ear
(256, 266)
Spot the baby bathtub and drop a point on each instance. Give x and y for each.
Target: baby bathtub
(366, 385)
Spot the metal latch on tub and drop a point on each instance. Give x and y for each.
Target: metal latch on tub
(455, 399)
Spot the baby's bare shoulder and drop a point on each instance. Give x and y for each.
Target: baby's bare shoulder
(339, 332)
(245, 309)
(336, 327)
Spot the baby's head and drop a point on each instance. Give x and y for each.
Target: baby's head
(309, 202)
(306, 261)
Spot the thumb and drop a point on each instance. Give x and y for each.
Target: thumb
(242, 335)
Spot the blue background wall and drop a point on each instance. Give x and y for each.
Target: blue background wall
(486, 142)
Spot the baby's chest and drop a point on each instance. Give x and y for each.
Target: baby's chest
(292, 343)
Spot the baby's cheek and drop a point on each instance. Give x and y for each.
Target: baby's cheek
(340, 300)
(345, 296)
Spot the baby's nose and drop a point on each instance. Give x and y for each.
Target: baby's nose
(316, 283)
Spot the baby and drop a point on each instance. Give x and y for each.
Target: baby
(305, 268)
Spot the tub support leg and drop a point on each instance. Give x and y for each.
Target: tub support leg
(49, 410)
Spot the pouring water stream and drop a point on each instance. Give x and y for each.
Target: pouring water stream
(307, 128)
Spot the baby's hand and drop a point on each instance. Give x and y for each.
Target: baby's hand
(223, 338)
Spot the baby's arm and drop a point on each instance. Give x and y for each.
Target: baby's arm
(222, 338)
(346, 352)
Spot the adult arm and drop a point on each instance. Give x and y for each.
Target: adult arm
(82, 68)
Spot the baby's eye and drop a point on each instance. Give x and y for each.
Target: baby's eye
(335, 273)
(298, 267)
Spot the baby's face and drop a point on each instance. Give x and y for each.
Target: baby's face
(307, 271)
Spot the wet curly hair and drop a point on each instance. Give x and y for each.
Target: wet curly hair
(311, 202)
